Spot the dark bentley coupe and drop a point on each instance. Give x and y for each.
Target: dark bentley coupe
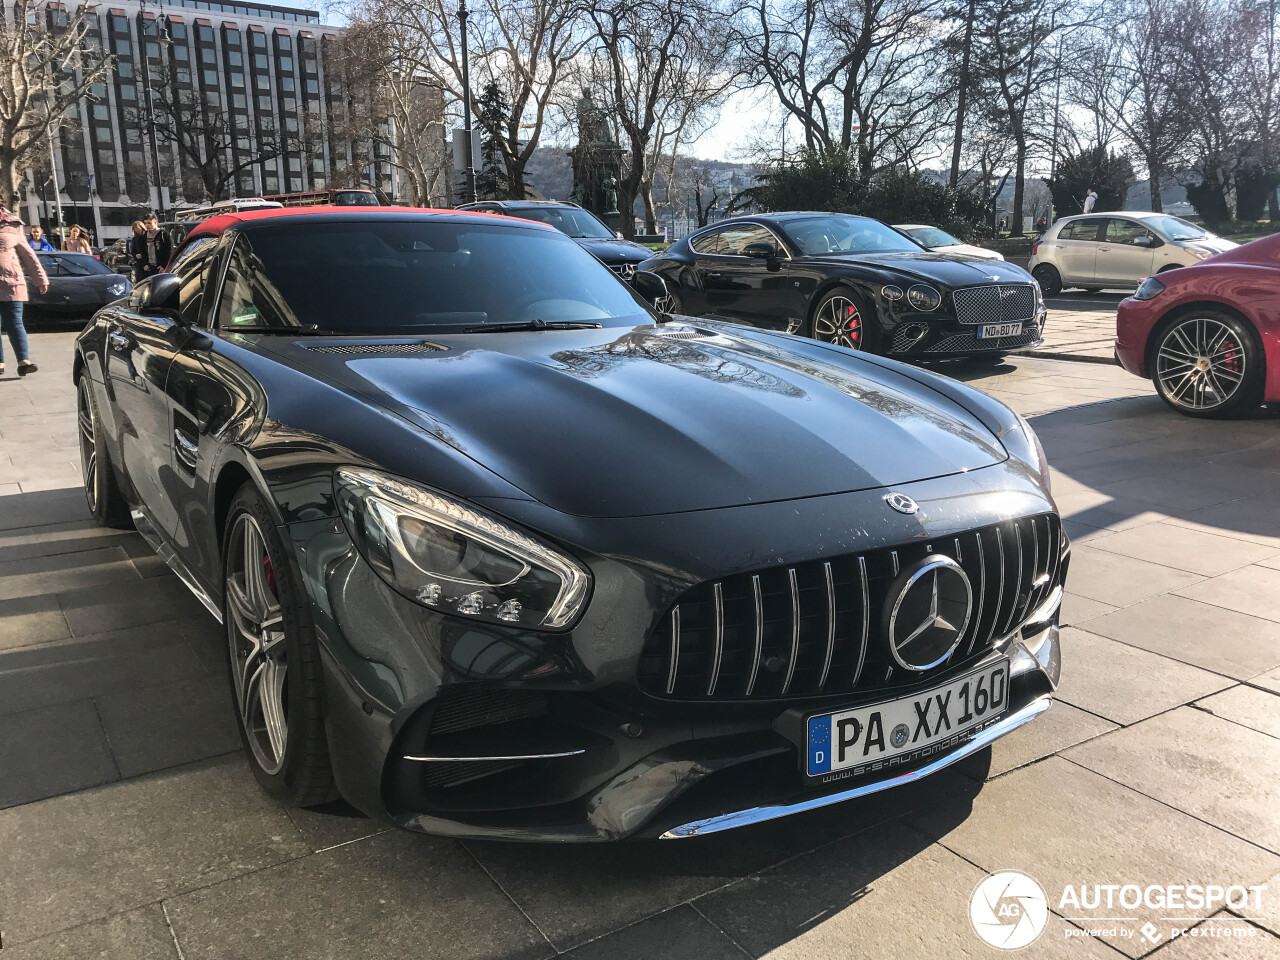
(501, 551)
(854, 282)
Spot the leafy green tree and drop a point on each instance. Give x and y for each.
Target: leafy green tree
(492, 182)
(828, 180)
(1108, 172)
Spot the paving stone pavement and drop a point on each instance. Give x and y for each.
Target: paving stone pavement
(130, 826)
(1081, 326)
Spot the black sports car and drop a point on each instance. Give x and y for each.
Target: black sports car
(78, 284)
(619, 255)
(854, 282)
(499, 552)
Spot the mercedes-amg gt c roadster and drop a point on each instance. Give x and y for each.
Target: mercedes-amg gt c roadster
(502, 551)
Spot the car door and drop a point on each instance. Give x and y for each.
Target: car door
(140, 348)
(1075, 250)
(53, 270)
(749, 289)
(1125, 254)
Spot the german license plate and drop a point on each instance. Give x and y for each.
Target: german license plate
(898, 732)
(994, 331)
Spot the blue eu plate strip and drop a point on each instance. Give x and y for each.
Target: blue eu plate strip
(819, 745)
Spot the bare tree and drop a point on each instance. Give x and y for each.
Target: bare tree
(1013, 63)
(860, 76)
(389, 107)
(524, 46)
(663, 73)
(48, 62)
(1260, 83)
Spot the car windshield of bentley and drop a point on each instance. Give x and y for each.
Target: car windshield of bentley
(377, 276)
(844, 234)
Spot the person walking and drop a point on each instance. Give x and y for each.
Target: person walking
(133, 248)
(1090, 198)
(155, 247)
(77, 242)
(39, 241)
(17, 265)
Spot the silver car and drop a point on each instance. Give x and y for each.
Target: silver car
(1117, 250)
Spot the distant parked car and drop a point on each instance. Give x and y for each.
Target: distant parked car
(939, 241)
(78, 284)
(593, 235)
(1118, 250)
(853, 282)
(1208, 336)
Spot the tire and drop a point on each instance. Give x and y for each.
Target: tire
(1167, 267)
(1208, 363)
(843, 319)
(1049, 279)
(101, 488)
(273, 658)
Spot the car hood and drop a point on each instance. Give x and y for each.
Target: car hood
(1213, 245)
(615, 251)
(654, 420)
(951, 270)
(967, 250)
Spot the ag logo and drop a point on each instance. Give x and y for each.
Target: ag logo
(1008, 910)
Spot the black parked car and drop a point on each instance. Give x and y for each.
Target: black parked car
(854, 282)
(620, 256)
(78, 284)
(499, 553)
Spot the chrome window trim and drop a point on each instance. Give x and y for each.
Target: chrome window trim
(721, 228)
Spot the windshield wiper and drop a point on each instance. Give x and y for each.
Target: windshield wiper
(534, 325)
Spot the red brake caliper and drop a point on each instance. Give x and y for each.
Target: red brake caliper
(269, 572)
(1231, 359)
(855, 325)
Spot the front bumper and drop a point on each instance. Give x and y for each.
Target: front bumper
(944, 339)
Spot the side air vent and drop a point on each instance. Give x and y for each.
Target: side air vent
(355, 349)
(683, 333)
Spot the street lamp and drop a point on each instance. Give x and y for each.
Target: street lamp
(469, 191)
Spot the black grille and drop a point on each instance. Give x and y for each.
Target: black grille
(625, 270)
(816, 629)
(994, 303)
(968, 343)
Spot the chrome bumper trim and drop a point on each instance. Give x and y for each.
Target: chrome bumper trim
(520, 756)
(982, 740)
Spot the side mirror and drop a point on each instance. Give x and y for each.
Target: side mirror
(161, 294)
(651, 287)
(617, 235)
(760, 250)
(1142, 241)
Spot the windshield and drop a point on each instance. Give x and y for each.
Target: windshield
(932, 237)
(400, 276)
(1176, 229)
(845, 234)
(354, 198)
(72, 265)
(569, 220)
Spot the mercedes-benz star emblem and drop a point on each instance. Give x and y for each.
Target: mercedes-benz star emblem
(928, 612)
(901, 502)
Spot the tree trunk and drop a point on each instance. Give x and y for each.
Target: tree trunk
(962, 96)
(10, 183)
(650, 216)
(1019, 190)
(1153, 172)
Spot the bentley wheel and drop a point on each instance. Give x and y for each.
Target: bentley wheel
(101, 491)
(842, 320)
(274, 659)
(1208, 364)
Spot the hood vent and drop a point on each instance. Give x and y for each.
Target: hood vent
(683, 333)
(359, 349)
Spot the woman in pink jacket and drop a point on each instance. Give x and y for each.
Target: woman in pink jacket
(17, 263)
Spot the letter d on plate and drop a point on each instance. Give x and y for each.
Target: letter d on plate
(819, 745)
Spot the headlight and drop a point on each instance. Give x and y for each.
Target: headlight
(455, 559)
(891, 291)
(1042, 462)
(1149, 290)
(118, 289)
(924, 298)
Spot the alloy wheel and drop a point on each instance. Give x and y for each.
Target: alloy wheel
(88, 422)
(1200, 364)
(255, 631)
(838, 321)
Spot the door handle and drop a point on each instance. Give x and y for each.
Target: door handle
(118, 341)
(187, 450)
(714, 276)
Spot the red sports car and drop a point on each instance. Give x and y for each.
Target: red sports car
(1208, 335)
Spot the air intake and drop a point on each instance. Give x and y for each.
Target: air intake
(358, 349)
